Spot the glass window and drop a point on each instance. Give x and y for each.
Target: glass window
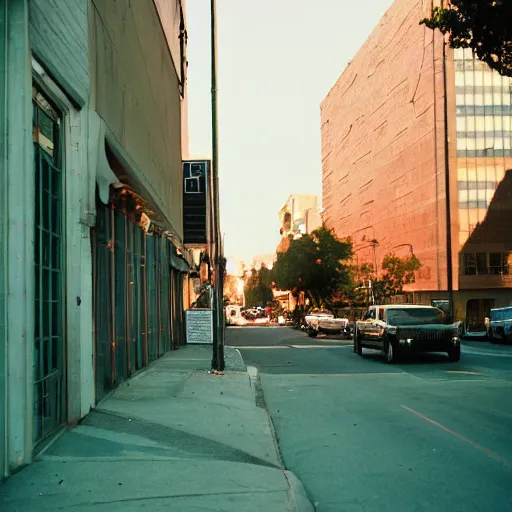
(479, 78)
(415, 316)
(503, 99)
(481, 262)
(495, 262)
(469, 264)
(459, 78)
(498, 263)
(487, 78)
(478, 124)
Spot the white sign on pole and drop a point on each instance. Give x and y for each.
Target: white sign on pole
(199, 324)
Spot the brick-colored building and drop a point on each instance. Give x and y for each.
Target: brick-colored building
(406, 166)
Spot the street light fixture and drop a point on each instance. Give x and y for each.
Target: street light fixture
(404, 245)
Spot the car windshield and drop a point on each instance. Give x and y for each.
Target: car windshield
(414, 316)
(501, 314)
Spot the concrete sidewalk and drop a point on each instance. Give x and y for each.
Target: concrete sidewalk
(172, 438)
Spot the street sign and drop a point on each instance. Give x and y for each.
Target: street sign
(196, 202)
(199, 323)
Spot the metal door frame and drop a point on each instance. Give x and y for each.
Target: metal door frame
(59, 268)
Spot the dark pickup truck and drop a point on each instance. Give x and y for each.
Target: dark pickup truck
(401, 329)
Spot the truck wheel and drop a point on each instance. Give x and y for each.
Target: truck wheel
(390, 352)
(454, 353)
(358, 349)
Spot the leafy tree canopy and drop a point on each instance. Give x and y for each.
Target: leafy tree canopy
(397, 273)
(258, 290)
(485, 26)
(315, 264)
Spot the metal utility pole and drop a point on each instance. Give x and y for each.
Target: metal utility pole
(218, 327)
(449, 256)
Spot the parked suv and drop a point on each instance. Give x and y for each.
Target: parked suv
(401, 329)
(500, 329)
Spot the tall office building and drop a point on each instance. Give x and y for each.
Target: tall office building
(416, 148)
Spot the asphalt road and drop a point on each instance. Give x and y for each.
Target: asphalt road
(362, 435)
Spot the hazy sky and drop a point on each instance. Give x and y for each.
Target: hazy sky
(277, 60)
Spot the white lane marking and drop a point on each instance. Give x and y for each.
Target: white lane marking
(465, 372)
(277, 347)
(266, 347)
(320, 346)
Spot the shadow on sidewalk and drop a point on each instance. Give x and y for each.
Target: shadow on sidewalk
(172, 437)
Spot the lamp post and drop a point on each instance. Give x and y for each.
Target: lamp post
(449, 260)
(218, 330)
(373, 244)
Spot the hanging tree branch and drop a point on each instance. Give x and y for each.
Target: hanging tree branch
(485, 26)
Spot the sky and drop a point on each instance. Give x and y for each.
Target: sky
(277, 60)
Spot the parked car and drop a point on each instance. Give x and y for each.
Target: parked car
(234, 315)
(323, 321)
(318, 313)
(398, 330)
(500, 328)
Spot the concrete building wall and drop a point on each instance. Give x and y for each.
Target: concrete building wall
(383, 145)
(59, 43)
(170, 15)
(137, 93)
(61, 48)
(17, 220)
(59, 39)
(3, 246)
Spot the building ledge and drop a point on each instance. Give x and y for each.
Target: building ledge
(484, 282)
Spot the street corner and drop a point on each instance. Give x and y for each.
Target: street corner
(233, 360)
(297, 494)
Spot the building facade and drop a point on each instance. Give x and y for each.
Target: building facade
(94, 275)
(299, 215)
(416, 144)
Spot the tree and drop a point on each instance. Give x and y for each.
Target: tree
(258, 290)
(363, 276)
(315, 264)
(485, 26)
(397, 273)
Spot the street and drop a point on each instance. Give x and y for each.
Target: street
(362, 435)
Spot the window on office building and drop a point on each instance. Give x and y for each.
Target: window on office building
(498, 263)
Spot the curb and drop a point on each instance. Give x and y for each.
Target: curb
(296, 492)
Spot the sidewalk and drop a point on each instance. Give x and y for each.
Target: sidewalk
(172, 438)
